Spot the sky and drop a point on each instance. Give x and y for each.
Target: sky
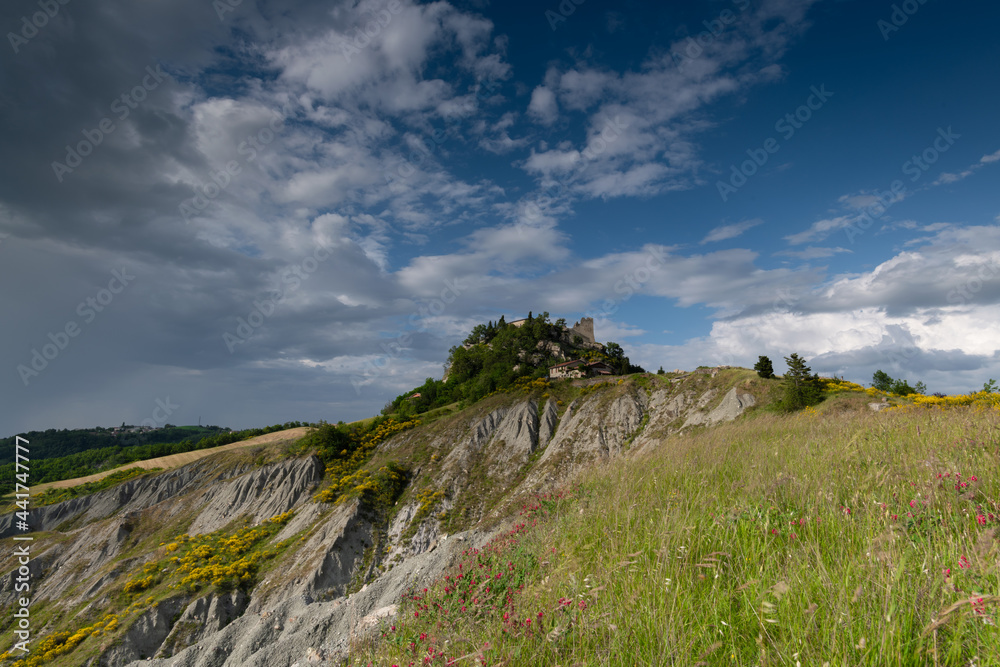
(246, 212)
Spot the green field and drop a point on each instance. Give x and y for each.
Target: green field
(835, 536)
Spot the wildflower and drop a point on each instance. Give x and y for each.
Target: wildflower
(981, 519)
(964, 563)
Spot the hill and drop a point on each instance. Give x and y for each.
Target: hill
(52, 465)
(646, 519)
(55, 443)
(496, 355)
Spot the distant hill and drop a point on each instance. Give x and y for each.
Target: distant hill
(101, 449)
(54, 443)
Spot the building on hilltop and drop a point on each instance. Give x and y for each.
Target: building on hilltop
(579, 368)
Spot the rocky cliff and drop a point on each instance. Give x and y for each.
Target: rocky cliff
(335, 570)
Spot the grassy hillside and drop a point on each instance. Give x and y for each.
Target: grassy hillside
(835, 536)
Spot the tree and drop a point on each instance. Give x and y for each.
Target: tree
(764, 367)
(902, 388)
(990, 387)
(661, 371)
(802, 387)
(616, 358)
(882, 381)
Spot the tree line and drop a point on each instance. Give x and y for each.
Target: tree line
(802, 387)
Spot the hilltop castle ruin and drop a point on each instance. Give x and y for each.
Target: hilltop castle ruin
(584, 329)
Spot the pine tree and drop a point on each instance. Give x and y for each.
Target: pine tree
(882, 381)
(802, 387)
(764, 367)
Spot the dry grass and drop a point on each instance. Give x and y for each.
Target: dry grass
(819, 538)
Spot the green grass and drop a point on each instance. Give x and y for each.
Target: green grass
(774, 540)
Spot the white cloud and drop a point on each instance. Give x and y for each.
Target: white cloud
(948, 178)
(606, 329)
(543, 106)
(992, 157)
(821, 229)
(553, 161)
(654, 108)
(811, 252)
(731, 231)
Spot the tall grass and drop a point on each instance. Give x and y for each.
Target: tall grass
(839, 537)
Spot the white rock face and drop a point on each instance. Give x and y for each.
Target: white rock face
(514, 439)
(264, 493)
(549, 421)
(732, 406)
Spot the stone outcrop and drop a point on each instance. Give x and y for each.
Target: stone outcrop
(732, 406)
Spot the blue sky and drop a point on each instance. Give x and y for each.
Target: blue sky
(257, 212)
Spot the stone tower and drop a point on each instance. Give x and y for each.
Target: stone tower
(585, 329)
